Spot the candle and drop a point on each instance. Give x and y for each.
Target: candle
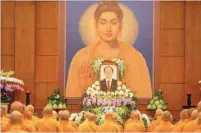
(28, 91)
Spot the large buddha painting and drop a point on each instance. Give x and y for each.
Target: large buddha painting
(108, 30)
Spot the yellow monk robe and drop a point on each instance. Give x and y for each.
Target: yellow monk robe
(154, 124)
(180, 126)
(191, 126)
(83, 125)
(66, 126)
(16, 128)
(47, 124)
(108, 126)
(165, 127)
(134, 125)
(5, 124)
(136, 77)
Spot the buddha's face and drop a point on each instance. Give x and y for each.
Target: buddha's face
(108, 73)
(108, 26)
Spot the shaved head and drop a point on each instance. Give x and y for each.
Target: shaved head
(159, 112)
(17, 106)
(30, 108)
(199, 107)
(86, 115)
(108, 115)
(64, 115)
(199, 118)
(92, 117)
(135, 115)
(184, 114)
(190, 111)
(194, 114)
(27, 114)
(167, 117)
(16, 117)
(54, 114)
(47, 110)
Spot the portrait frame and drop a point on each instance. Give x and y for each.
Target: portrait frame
(62, 46)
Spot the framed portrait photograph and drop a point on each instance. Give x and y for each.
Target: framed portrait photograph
(109, 75)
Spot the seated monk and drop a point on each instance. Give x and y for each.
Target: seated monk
(65, 124)
(108, 125)
(91, 126)
(28, 117)
(166, 125)
(18, 106)
(184, 119)
(199, 123)
(192, 125)
(114, 119)
(85, 122)
(47, 123)
(31, 109)
(131, 120)
(155, 123)
(16, 120)
(4, 120)
(135, 124)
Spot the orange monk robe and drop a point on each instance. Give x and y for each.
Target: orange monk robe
(108, 126)
(5, 124)
(16, 128)
(139, 122)
(89, 127)
(66, 126)
(47, 124)
(191, 126)
(83, 125)
(154, 124)
(165, 127)
(136, 77)
(74, 124)
(133, 125)
(180, 126)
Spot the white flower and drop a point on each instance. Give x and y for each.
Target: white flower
(104, 93)
(97, 83)
(116, 92)
(119, 83)
(121, 92)
(97, 87)
(108, 93)
(127, 90)
(119, 88)
(126, 94)
(90, 89)
(130, 94)
(123, 87)
(112, 93)
(88, 92)
(93, 85)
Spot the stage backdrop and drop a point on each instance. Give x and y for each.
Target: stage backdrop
(138, 28)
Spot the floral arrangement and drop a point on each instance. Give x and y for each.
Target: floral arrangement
(145, 119)
(56, 101)
(122, 100)
(10, 83)
(157, 102)
(99, 61)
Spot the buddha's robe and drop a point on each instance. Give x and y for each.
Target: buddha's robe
(180, 126)
(165, 127)
(136, 78)
(66, 126)
(154, 124)
(89, 127)
(16, 128)
(108, 126)
(47, 124)
(191, 126)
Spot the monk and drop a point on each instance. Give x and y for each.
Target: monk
(135, 124)
(192, 125)
(16, 120)
(47, 123)
(28, 117)
(86, 121)
(108, 26)
(31, 109)
(65, 124)
(54, 114)
(155, 123)
(199, 123)
(108, 125)
(18, 106)
(166, 125)
(91, 126)
(184, 119)
(130, 120)
(4, 120)
(114, 119)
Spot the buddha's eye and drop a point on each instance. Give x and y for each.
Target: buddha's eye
(114, 22)
(103, 22)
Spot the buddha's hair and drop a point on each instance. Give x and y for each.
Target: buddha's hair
(108, 6)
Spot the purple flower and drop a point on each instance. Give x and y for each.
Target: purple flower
(88, 103)
(118, 102)
(84, 100)
(99, 102)
(1, 86)
(94, 101)
(125, 102)
(12, 87)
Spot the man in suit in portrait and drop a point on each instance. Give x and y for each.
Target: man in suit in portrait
(108, 83)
